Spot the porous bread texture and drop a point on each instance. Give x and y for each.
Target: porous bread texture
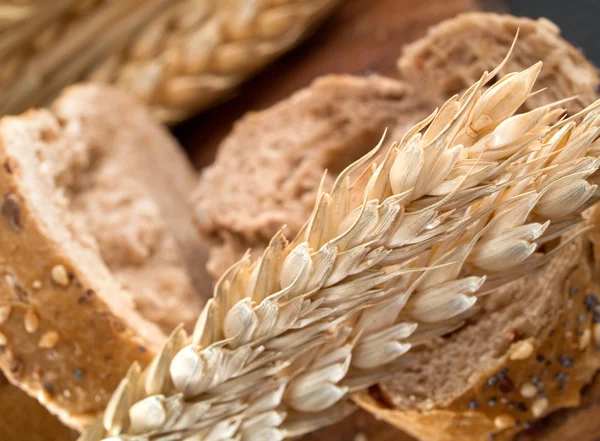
(139, 171)
(453, 55)
(268, 169)
(91, 263)
(108, 164)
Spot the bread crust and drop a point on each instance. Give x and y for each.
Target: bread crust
(79, 308)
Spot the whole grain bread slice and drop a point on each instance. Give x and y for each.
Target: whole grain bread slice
(96, 231)
(455, 52)
(268, 169)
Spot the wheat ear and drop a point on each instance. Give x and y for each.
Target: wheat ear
(177, 56)
(460, 206)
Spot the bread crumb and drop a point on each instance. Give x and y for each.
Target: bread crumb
(3, 339)
(360, 437)
(36, 284)
(60, 276)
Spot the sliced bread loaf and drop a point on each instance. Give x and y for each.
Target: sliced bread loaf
(96, 231)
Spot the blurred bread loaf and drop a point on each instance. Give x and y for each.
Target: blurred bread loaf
(98, 247)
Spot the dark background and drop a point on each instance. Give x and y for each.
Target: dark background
(579, 20)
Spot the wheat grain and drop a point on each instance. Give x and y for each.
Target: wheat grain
(456, 209)
(539, 406)
(177, 56)
(60, 276)
(31, 320)
(49, 340)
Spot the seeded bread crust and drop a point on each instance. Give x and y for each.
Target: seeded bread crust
(580, 423)
(92, 271)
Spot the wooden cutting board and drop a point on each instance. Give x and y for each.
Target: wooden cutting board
(364, 36)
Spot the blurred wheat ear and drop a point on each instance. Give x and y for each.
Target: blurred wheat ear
(397, 253)
(177, 56)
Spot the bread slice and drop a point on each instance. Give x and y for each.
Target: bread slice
(93, 261)
(269, 168)
(454, 53)
(120, 134)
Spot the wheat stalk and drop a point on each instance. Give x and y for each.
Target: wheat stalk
(460, 206)
(178, 56)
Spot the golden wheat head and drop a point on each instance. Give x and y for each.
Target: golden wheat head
(397, 253)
